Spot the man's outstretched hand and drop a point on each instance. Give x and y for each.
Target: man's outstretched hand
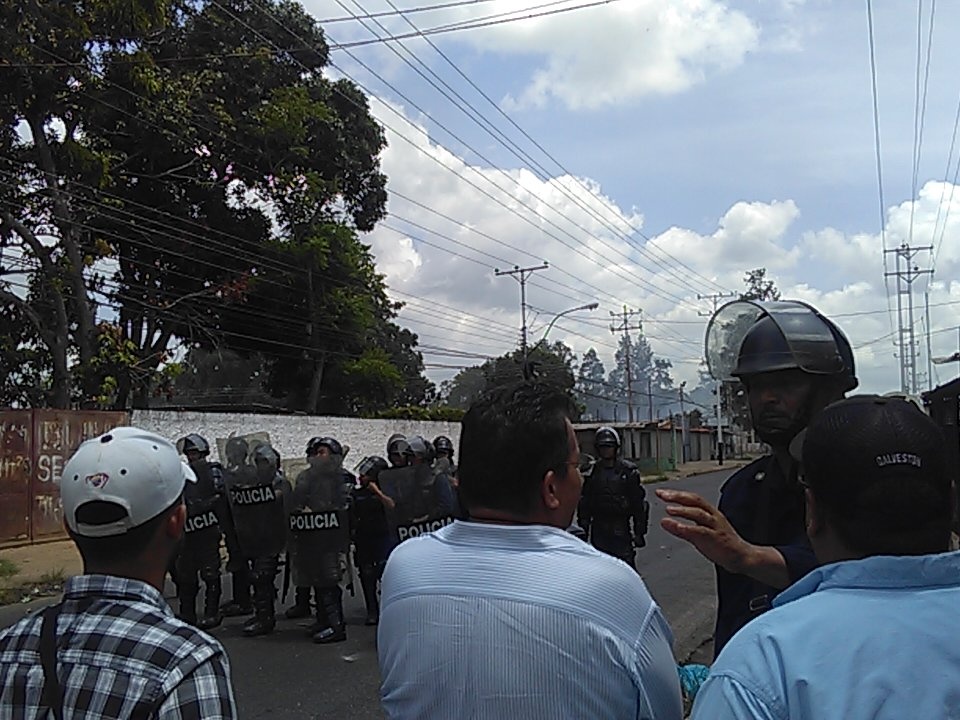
(708, 530)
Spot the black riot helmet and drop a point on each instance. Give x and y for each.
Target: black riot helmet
(443, 444)
(396, 443)
(418, 447)
(332, 444)
(606, 437)
(236, 450)
(266, 454)
(746, 338)
(196, 443)
(371, 466)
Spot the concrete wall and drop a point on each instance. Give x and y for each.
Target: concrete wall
(289, 433)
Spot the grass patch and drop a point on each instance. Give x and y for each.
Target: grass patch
(8, 568)
(651, 479)
(54, 577)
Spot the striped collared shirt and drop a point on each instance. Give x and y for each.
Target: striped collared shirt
(527, 622)
(121, 653)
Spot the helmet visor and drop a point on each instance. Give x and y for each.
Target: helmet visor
(810, 341)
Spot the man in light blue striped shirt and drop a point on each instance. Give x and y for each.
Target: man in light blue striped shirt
(508, 616)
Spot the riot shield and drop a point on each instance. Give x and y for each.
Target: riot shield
(202, 500)
(257, 508)
(318, 523)
(419, 506)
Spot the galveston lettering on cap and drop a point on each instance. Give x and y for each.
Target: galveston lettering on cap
(898, 459)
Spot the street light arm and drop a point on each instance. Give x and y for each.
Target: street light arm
(591, 306)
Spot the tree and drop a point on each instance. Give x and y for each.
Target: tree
(180, 158)
(650, 376)
(591, 385)
(550, 363)
(759, 286)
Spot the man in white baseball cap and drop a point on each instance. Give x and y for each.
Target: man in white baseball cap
(113, 647)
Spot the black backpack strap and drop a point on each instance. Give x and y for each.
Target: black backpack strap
(52, 696)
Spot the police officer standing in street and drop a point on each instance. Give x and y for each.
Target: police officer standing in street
(259, 515)
(612, 498)
(200, 553)
(238, 471)
(793, 362)
(319, 527)
(369, 531)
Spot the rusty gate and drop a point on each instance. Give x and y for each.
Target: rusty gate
(34, 447)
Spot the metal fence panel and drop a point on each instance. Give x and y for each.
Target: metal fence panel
(16, 451)
(57, 433)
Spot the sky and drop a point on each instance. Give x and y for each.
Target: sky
(652, 152)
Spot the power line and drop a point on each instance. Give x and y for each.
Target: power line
(876, 135)
(491, 129)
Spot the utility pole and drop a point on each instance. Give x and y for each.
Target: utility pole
(906, 273)
(926, 311)
(625, 328)
(521, 275)
(715, 298)
(650, 399)
(683, 425)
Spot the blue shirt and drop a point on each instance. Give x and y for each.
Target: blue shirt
(520, 622)
(873, 638)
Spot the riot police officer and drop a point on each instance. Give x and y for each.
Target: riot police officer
(415, 499)
(613, 498)
(257, 506)
(238, 471)
(319, 535)
(368, 528)
(200, 553)
(793, 362)
(444, 467)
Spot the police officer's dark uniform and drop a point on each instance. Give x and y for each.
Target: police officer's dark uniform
(370, 533)
(258, 508)
(613, 498)
(239, 472)
(200, 554)
(765, 506)
(301, 606)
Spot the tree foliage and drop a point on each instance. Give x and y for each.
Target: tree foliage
(759, 286)
(551, 363)
(179, 170)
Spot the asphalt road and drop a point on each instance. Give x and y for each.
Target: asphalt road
(285, 675)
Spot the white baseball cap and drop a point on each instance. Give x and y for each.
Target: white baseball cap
(137, 470)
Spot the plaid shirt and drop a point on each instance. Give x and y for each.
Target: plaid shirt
(121, 653)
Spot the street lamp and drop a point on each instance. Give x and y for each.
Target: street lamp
(591, 306)
(527, 367)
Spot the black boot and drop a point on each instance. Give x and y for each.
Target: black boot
(187, 597)
(212, 616)
(241, 605)
(368, 581)
(264, 594)
(301, 606)
(330, 615)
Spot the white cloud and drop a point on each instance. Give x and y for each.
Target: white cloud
(456, 302)
(617, 53)
(587, 58)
